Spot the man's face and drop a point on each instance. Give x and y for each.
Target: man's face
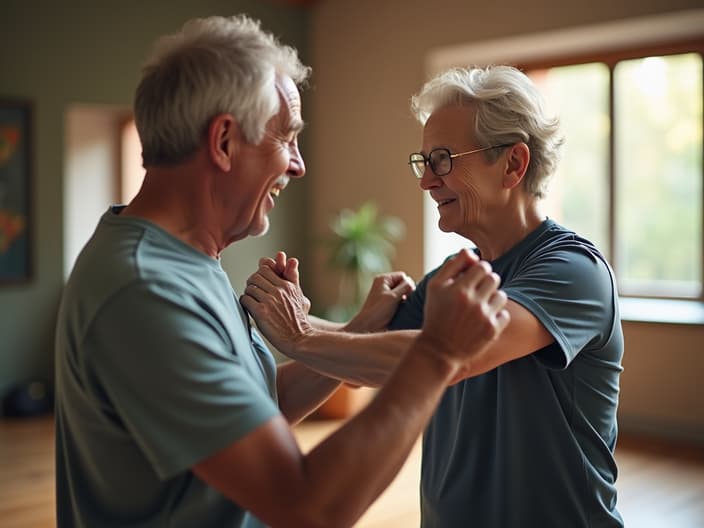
(262, 171)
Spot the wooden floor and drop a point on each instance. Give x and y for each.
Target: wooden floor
(660, 485)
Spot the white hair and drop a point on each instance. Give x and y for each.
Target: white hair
(509, 109)
(213, 65)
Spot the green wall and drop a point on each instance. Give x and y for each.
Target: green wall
(58, 53)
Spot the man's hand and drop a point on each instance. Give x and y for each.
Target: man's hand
(286, 268)
(274, 298)
(464, 310)
(385, 294)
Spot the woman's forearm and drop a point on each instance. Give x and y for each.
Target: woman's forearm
(324, 324)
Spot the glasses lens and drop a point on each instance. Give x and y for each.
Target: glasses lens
(440, 161)
(417, 163)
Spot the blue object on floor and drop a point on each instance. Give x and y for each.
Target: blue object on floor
(32, 398)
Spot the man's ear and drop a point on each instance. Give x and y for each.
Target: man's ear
(516, 165)
(223, 140)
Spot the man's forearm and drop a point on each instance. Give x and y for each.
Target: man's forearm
(359, 359)
(301, 390)
(400, 412)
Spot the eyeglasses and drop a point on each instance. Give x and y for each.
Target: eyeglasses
(440, 160)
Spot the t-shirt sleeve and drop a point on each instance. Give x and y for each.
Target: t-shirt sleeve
(168, 371)
(571, 292)
(409, 314)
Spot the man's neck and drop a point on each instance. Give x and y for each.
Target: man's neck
(175, 199)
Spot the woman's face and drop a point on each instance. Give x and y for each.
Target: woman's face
(469, 194)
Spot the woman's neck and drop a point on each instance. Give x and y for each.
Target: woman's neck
(499, 234)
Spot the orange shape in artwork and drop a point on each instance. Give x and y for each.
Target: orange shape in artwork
(9, 137)
(11, 226)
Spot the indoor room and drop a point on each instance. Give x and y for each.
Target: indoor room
(626, 79)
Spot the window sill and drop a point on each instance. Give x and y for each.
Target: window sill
(666, 311)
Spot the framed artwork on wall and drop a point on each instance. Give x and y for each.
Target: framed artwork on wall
(15, 190)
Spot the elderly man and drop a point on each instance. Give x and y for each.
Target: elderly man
(170, 409)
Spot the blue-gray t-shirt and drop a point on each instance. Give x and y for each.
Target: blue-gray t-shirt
(156, 369)
(530, 443)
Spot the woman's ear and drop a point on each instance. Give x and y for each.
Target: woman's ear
(516, 165)
(223, 140)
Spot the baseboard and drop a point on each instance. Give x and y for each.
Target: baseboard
(662, 429)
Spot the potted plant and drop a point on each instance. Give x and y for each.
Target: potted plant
(361, 246)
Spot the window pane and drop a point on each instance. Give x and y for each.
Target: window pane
(658, 144)
(578, 195)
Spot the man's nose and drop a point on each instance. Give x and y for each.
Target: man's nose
(296, 165)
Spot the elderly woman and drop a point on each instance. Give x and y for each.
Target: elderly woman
(526, 435)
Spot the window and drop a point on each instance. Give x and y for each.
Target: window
(658, 167)
(631, 173)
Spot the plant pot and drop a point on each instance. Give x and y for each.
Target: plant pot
(346, 401)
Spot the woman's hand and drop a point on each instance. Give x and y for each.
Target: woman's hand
(387, 291)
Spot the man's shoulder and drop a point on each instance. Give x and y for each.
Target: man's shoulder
(126, 260)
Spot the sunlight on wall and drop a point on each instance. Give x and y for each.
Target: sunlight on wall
(437, 245)
(132, 172)
(89, 186)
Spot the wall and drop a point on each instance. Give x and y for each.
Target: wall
(661, 387)
(60, 53)
(369, 58)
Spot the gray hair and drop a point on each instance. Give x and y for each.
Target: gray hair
(509, 109)
(213, 65)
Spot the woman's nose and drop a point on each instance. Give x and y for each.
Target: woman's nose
(429, 180)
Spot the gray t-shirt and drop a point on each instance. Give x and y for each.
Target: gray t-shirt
(530, 443)
(156, 369)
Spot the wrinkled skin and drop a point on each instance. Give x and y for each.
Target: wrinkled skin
(275, 299)
(385, 294)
